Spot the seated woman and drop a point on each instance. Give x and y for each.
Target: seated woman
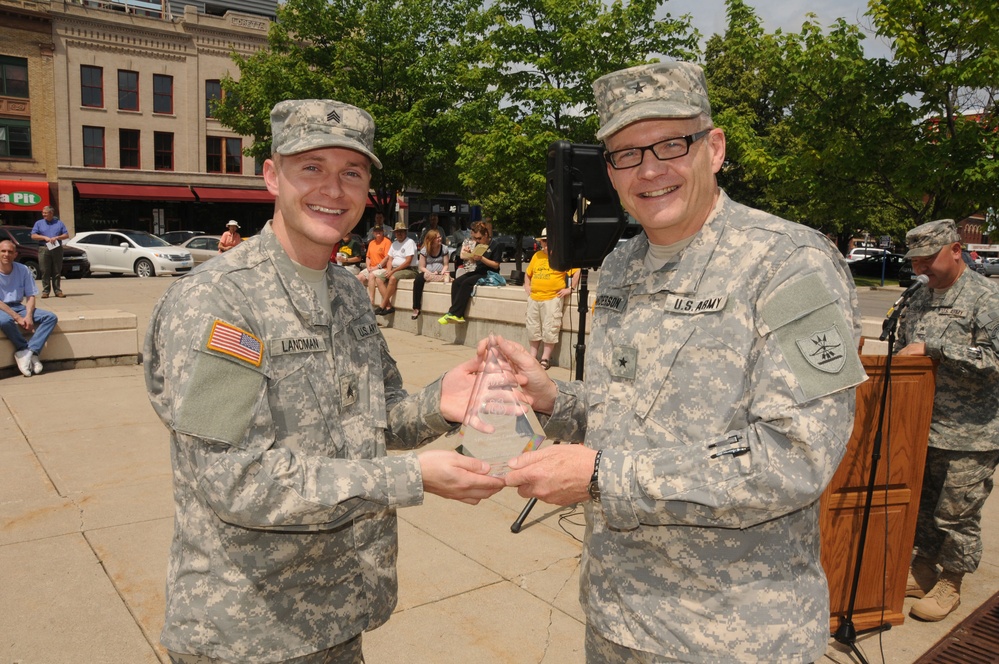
(433, 267)
(482, 259)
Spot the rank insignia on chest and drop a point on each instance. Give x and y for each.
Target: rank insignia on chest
(230, 340)
(823, 350)
(624, 362)
(348, 390)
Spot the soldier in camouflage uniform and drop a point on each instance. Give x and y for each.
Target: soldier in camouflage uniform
(955, 321)
(281, 398)
(718, 401)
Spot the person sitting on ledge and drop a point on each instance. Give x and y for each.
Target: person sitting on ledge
(433, 267)
(486, 258)
(18, 313)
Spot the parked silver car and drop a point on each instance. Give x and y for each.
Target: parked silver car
(202, 247)
(120, 251)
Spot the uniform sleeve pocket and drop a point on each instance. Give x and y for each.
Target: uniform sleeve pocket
(219, 400)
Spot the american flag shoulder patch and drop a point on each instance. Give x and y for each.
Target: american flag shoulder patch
(231, 340)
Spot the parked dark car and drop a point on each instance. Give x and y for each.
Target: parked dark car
(872, 266)
(508, 246)
(74, 261)
(905, 274)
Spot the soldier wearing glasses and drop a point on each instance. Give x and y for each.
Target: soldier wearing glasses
(717, 404)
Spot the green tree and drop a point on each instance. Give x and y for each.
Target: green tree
(947, 56)
(811, 124)
(541, 58)
(407, 62)
(822, 134)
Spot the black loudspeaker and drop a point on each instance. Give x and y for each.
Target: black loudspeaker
(584, 214)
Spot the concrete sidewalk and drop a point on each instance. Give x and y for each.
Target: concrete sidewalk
(86, 517)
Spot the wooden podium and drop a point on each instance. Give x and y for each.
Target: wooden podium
(892, 526)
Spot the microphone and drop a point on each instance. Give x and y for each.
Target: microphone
(891, 318)
(918, 282)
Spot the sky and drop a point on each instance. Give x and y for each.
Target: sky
(788, 15)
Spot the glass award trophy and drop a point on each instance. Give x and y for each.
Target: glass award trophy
(499, 424)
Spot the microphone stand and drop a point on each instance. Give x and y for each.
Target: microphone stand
(847, 633)
(584, 296)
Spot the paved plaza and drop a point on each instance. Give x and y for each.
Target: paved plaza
(86, 517)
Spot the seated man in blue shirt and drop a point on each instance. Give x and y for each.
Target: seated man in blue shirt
(18, 314)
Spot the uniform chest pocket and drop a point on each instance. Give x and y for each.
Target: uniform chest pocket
(359, 391)
(304, 412)
(695, 381)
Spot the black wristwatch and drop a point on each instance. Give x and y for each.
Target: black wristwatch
(594, 488)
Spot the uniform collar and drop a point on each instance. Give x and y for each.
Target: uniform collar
(682, 274)
(301, 295)
(952, 293)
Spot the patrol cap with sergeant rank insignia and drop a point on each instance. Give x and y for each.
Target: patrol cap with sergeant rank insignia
(300, 125)
(929, 238)
(658, 91)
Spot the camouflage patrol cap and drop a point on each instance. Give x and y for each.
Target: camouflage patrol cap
(300, 125)
(931, 237)
(662, 90)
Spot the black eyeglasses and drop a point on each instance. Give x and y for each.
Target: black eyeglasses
(670, 148)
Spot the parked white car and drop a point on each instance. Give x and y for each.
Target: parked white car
(860, 253)
(120, 251)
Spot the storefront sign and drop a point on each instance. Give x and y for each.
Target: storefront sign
(23, 195)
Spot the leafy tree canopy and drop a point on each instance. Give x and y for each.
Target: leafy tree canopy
(407, 62)
(541, 58)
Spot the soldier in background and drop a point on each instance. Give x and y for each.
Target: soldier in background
(955, 320)
(281, 398)
(718, 401)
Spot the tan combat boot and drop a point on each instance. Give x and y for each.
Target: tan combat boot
(939, 602)
(922, 578)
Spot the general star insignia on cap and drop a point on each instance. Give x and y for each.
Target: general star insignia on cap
(823, 350)
(230, 340)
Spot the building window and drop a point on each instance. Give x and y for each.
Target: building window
(128, 90)
(233, 155)
(13, 76)
(128, 148)
(213, 95)
(15, 138)
(163, 151)
(162, 93)
(92, 86)
(93, 146)
(231, 161)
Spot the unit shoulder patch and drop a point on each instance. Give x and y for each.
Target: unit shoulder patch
(823, 350)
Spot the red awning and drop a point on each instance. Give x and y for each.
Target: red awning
(218, 195)
(134, 192)
(23, 195)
